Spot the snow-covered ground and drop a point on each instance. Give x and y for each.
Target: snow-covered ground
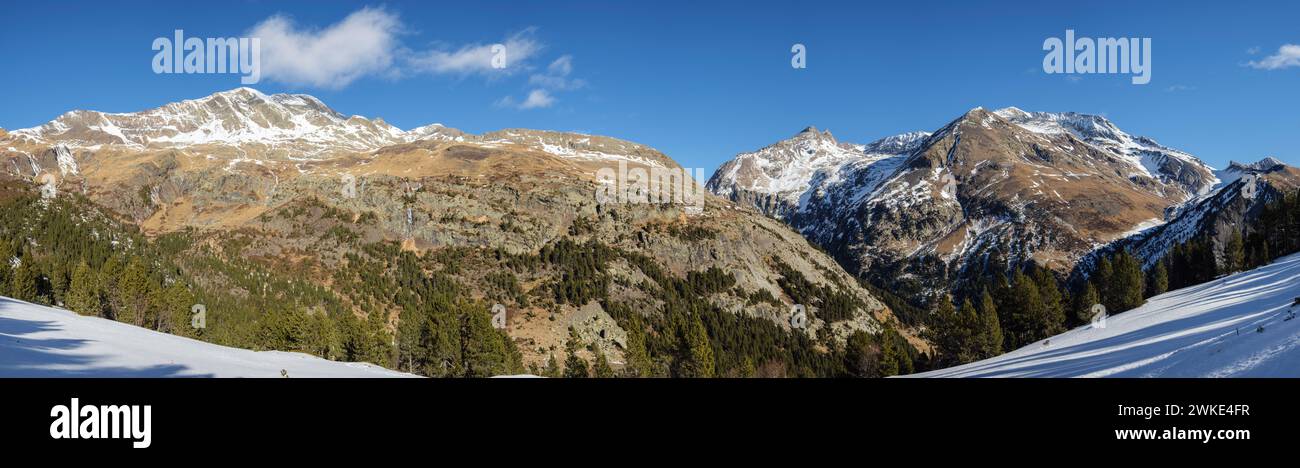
(1242, 325)
(37, 341)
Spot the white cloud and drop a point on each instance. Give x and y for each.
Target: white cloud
(557, 76)
(562, 66)
(1253, 50)
(364, 43)
(537, 98)
(477, 58)
(1287, 56)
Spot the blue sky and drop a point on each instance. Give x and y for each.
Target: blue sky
(698, 80)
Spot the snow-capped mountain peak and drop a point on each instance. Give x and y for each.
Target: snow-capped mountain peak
(1267, 164)
(297, 123)
(785, 170)
(1147, 157)
(1009, 186)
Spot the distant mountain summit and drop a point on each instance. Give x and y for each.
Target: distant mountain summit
(922, 211)
(295, 126)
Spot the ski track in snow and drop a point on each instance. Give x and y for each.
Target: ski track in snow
(1207, 330)
(38, 341)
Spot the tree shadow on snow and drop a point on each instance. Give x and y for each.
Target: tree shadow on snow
(23, 355)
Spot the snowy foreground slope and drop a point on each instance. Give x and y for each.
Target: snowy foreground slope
(37, 341)
(1208, 330)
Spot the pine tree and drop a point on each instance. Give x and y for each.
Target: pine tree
(133, 291)
(483, 348)
(107, 283)
(59, 285)
(376, 341)
(601, 367)
(1053, 302)
(83, 293)
(575, 367)
(637, 357)
(969, 349)
(1159, 283)
(1103, 278)
(1234, 254)
(990, 327)
(698, 350)
(552, 369)
(1084, 301)
(861, 355)
(410, 331)
(893, 356)
(23, 283)
(948, 332)
(1027, 316)
(1127, 285)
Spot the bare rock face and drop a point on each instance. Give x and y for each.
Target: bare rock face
(302, 186)
(921, 212)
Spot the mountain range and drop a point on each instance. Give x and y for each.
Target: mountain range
(800, 262)
(922, 213)
(293, 190)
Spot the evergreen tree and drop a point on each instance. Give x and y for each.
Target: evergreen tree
(1159, 283)
(1103, 278)
(1127, 285)
(410, 331)
(575, 367)
(894, 359)
(133, 293)
(83, 293)
(1234, 254)
(971, 347)
(485, 350)
(637, 358)
(23, 283)
(1024, 311)
(107, 281)
(990, 343)
(1084, 301)
(59, 285)
(1053, 301)
(698, 350)
(439, 343)
(601, 367)
(947, 333)
(552, 369)
(378, 342)
(861, 355)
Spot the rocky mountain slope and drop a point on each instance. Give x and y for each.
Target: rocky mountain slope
(292, 185)
(1230, 208)
(921, 212)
